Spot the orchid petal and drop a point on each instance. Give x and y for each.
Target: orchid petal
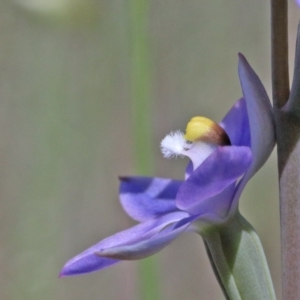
(261, 124)
(217, 172)
(218, 204)
(148, 246)
(88, 261)
(144, 198)
(260, 115)
(236, 124)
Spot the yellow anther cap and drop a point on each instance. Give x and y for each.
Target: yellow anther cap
(197, 127)
(206, 130)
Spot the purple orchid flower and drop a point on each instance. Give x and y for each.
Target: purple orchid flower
(208, 196)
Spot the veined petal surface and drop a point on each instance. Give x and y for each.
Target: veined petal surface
(88, 261)
(222, 168)
(148, 246)
(216, 206)
(145, 198)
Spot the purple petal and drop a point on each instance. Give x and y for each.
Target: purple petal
(236, 124)
(145, 198)
(221, 169)
(217, 206)
(261, 124)
(148, 246)
(260, 115)
(88, 261)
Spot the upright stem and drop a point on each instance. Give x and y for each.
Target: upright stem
(287, 122)
(280, 67)
(141, 121)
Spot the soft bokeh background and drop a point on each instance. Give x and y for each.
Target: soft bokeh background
(66, 133)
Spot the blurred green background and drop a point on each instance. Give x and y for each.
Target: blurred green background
(67, 132)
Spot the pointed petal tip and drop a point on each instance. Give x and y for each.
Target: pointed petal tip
(243, 62)
(260, 113)
(64, 273)
(67, 273)
(241, 56)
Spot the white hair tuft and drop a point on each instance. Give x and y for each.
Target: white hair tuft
(173, 144)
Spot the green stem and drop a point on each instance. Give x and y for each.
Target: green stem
(140, 74)
(238, 260)
(141, 115)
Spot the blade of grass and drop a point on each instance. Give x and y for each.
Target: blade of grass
(141, 115)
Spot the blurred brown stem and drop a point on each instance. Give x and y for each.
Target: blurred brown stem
(287, 122)
(280, 67)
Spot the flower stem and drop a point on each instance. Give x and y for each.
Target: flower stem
(238, 260)
(279, 48)
(287, 121)
(141, 116)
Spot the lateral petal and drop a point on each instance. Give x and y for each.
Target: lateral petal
(148, 246)
(145, 198)
(88, 261)
(221, 169)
